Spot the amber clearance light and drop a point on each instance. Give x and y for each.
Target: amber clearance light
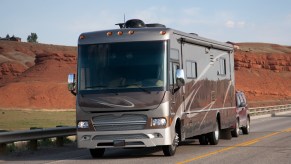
(82, 37)
(130, 32)
(109, 33)
(163, 32)
(119, 33)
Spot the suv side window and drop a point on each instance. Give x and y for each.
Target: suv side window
(238, 100)
(243, 98)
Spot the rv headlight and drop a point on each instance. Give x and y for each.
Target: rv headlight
(159, 122)
(83, 124)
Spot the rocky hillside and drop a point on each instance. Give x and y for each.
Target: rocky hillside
(263, 72)
(35, 75)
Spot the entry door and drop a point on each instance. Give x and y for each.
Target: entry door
(177, 92)
(177, 98)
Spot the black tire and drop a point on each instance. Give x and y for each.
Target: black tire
(97, 153)
(246, 129)
(213, 137)
(203, 140)
(170, 150)
(235, 131)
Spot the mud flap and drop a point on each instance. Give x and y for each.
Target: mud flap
(225, 134)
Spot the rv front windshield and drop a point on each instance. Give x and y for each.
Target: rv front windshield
(128, 66)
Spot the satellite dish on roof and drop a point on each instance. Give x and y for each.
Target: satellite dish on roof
(137, 23)
(155, 25)
(134, 23)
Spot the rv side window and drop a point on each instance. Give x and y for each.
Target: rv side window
(222, 66)
(191, 69)
(174, 54)
(171, 73)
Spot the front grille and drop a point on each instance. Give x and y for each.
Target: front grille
(112, 122)
(111, 144)
(120, 137)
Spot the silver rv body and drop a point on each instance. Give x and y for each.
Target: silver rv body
(128, 93)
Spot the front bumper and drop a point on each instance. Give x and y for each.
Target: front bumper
(133, 138)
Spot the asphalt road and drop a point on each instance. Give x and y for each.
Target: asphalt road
(268, 142)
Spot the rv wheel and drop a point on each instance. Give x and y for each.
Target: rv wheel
(213, 137)
(169, 150)
(96, 153)
(203, 140)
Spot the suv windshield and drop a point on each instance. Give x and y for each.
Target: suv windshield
(123, 65)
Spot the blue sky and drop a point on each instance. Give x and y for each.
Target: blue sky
(61, 21)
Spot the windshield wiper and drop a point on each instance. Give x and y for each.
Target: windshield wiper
(96, 86)
(137, 85)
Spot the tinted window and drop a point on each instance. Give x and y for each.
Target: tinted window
(121, 65)
(222, 66)
(191, 69)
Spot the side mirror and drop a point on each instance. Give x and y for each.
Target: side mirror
(72, 83)
(180, 77)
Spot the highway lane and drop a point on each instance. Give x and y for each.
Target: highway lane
(268, 142)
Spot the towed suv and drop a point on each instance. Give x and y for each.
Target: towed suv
(243, 116)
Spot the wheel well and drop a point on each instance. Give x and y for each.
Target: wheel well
(178, 128)
(218, 119)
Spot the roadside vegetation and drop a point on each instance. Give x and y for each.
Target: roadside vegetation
(12, 120)
(22, 146)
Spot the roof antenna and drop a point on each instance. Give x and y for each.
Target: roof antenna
(121, 25)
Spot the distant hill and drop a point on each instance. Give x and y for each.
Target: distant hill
(35, 75)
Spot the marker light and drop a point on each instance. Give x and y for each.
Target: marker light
(109, 33)
(82, 37)
(119, 33)
(130, 32)
(163, 32)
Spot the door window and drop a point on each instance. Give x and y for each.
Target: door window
(173, 68)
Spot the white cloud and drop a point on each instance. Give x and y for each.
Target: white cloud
(194, 11)
(91, 23)
(241, 24)
(230, 24)
(233, 24)
(152, 14)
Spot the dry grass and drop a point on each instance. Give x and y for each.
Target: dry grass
(24, 119)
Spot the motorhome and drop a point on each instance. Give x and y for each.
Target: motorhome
(146, 85)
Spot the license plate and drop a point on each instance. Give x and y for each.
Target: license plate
(119, 143)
